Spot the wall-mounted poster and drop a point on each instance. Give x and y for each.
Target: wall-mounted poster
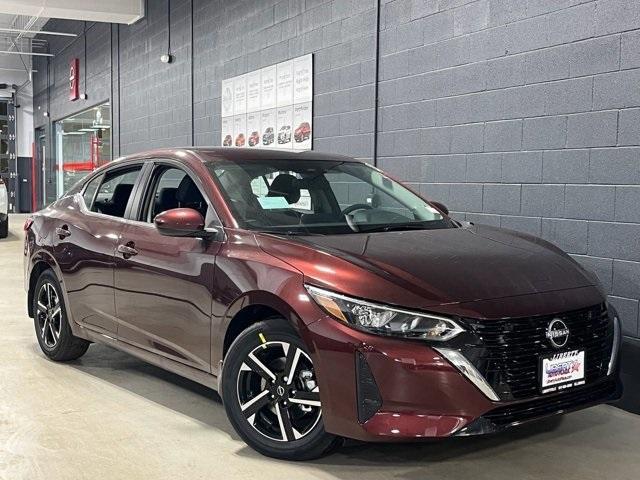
(268, 89)
(284, 119)
(284, 80)
(268, 127)
(253, 130)
(302, 121)
(271, 107)
(302, 74)
(240, 95)
(227, 98)
(253, 91)
(227, 131)
(240, 130)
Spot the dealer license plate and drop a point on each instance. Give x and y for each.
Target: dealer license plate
(562, 370)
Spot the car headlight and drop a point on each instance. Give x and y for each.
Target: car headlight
(384, 320)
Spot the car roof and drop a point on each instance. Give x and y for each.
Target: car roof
(214, 154)
(245, 154)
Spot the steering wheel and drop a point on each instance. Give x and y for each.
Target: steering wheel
(356, 206)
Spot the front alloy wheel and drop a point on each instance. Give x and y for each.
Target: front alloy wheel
(277, 392)
(271, 394)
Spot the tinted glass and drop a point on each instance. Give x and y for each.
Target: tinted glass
(113, 195)
(90, 190)
(302, 196)
(164, 192)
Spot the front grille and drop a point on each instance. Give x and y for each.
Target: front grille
(569, 400)
(507, 352)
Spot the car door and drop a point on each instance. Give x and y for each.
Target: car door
(164, 285)
(86, 233)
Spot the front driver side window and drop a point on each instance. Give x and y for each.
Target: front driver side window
(172, 188)
(113, 195)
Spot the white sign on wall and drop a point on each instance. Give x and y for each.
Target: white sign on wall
(271, 107)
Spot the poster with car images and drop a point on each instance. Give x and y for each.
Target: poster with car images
(271, 107)
(240, 131)
(284, 119)
(268, 128)
(302, 121)
(227, 131)
(253, 130)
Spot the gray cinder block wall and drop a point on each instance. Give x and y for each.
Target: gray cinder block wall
(518, 113)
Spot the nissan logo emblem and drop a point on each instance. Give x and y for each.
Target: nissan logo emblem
(558, 333)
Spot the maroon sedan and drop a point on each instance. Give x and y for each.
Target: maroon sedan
(322, 298)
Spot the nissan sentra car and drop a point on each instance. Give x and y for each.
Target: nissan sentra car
(364, 312)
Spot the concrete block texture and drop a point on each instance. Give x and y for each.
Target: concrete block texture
(521, 114)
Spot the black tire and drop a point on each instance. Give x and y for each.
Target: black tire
(315, 441)
(64, 346)
(4, 227)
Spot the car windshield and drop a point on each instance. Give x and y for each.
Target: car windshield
(303, 197)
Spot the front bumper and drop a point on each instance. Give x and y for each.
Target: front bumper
(420, 394)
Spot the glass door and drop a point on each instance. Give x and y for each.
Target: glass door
(83, 143)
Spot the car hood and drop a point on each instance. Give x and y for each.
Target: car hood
(426, 268)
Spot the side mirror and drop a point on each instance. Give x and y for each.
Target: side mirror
(180, 222)
(440, 206)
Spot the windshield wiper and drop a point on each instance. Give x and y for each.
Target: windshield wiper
(289, 233)
(397, 227)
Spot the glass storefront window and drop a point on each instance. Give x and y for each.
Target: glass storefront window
(83, 143)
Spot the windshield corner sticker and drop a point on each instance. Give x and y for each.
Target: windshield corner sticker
(273, 107)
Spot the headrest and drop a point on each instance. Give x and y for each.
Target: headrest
(121, 193)
(287, 186)
(188, 191)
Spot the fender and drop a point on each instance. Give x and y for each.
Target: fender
(248, 299)
(44, 256)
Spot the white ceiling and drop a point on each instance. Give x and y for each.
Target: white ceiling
(14, 69)
(31, 15)
(111, 11)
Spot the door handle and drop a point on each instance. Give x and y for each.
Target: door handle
(63, 232)
(127, 250)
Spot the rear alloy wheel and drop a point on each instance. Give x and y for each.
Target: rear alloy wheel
(49, 315)
(52, 329)
(271, 393)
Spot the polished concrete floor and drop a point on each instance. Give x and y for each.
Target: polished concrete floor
(109, 416)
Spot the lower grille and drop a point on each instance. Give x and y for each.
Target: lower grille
(507, 352)
(572, 399)
(369, 400)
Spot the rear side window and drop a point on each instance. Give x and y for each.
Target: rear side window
(90, 191)
(115, 191)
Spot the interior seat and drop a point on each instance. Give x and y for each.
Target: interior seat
(188, 196)
(167, 199)
(118, 203)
